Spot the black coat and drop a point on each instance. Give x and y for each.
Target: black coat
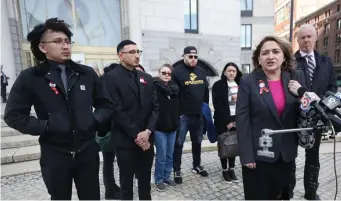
(65, 122)
(135, 103)
(222, 115)
(169, 113)
(257, 111)
(324, 78)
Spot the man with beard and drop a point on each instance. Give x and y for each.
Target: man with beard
(136, 114)
(193, 92)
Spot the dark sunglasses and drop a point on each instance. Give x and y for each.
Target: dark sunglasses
(165, 73)
(193, 56)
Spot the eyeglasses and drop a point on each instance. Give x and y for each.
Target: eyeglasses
(193, 56)
(133, 52)
(165, 73)
(60, 42)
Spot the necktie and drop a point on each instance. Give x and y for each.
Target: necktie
(63, 76)
(311, 67)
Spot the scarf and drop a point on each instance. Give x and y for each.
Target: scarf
(169, 89)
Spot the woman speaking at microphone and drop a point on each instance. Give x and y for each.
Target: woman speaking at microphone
(264, 101)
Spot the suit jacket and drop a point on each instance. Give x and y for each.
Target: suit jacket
(135, 105)
(222, 115)
(257, 111)
(324, 76)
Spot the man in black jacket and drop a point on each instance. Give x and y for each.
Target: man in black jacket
(319, 78)
(193, 92)
(63, 94)
(136, 114)
(4, 84)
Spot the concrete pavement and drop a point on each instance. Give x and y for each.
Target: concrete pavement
(30, 186)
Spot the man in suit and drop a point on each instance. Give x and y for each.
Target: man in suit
(319, 78)
(135, 103)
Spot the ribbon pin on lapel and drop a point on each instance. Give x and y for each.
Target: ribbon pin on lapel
(53, 87)
(262, 87)
(142, 80)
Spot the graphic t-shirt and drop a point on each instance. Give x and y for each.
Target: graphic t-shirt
(232, 94)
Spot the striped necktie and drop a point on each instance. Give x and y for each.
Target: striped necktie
(311, 67)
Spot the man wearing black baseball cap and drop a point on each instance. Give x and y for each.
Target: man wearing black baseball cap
(193, 92)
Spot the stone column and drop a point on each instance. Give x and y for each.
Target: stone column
(7, 54)
(135, 32)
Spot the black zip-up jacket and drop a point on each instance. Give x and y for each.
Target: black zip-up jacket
(65, 118)
(193, 88)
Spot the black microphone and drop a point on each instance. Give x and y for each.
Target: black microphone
(332, 101)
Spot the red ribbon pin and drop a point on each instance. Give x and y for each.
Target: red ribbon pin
(53, 88)
(262, 87)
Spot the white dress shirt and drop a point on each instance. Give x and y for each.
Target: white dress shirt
(303, 54)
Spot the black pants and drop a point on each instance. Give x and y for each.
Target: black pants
(59, 169)
(311, 170)
(135, 161)
(108, 173)
(3, 93)
(268, 181)
(231, 161)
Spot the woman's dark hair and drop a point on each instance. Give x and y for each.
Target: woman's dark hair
(39, 31)
(110, 67)
(287, 65)
(238, 76)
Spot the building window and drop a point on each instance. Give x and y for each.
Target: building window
(338, 24)
(325, 53)
(338, 8)
(246, 36)
(337, 56)
(326, 28)
(97, 22)
(325, 42)
(246, 68)
(191, 16)
(246, 7)
(338, 38)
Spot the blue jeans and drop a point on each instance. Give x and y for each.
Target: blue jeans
(193, 124)
(164, 143)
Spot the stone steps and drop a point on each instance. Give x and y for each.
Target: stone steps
(7, 131)
(18, 141)
(15, 155)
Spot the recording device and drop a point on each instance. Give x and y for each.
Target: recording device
(313, 119)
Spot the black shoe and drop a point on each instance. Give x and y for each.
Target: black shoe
(312, 196)
(169, 182)
(233, 176)
(200, 170)
(113, 196)
(177, 177)
(227, 177)
(161, 187)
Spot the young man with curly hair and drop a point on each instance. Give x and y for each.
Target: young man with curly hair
(63, 94)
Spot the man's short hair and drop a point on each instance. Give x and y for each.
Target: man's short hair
(123, 43)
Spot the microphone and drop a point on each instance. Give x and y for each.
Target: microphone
(312, 99)
(332, 100)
